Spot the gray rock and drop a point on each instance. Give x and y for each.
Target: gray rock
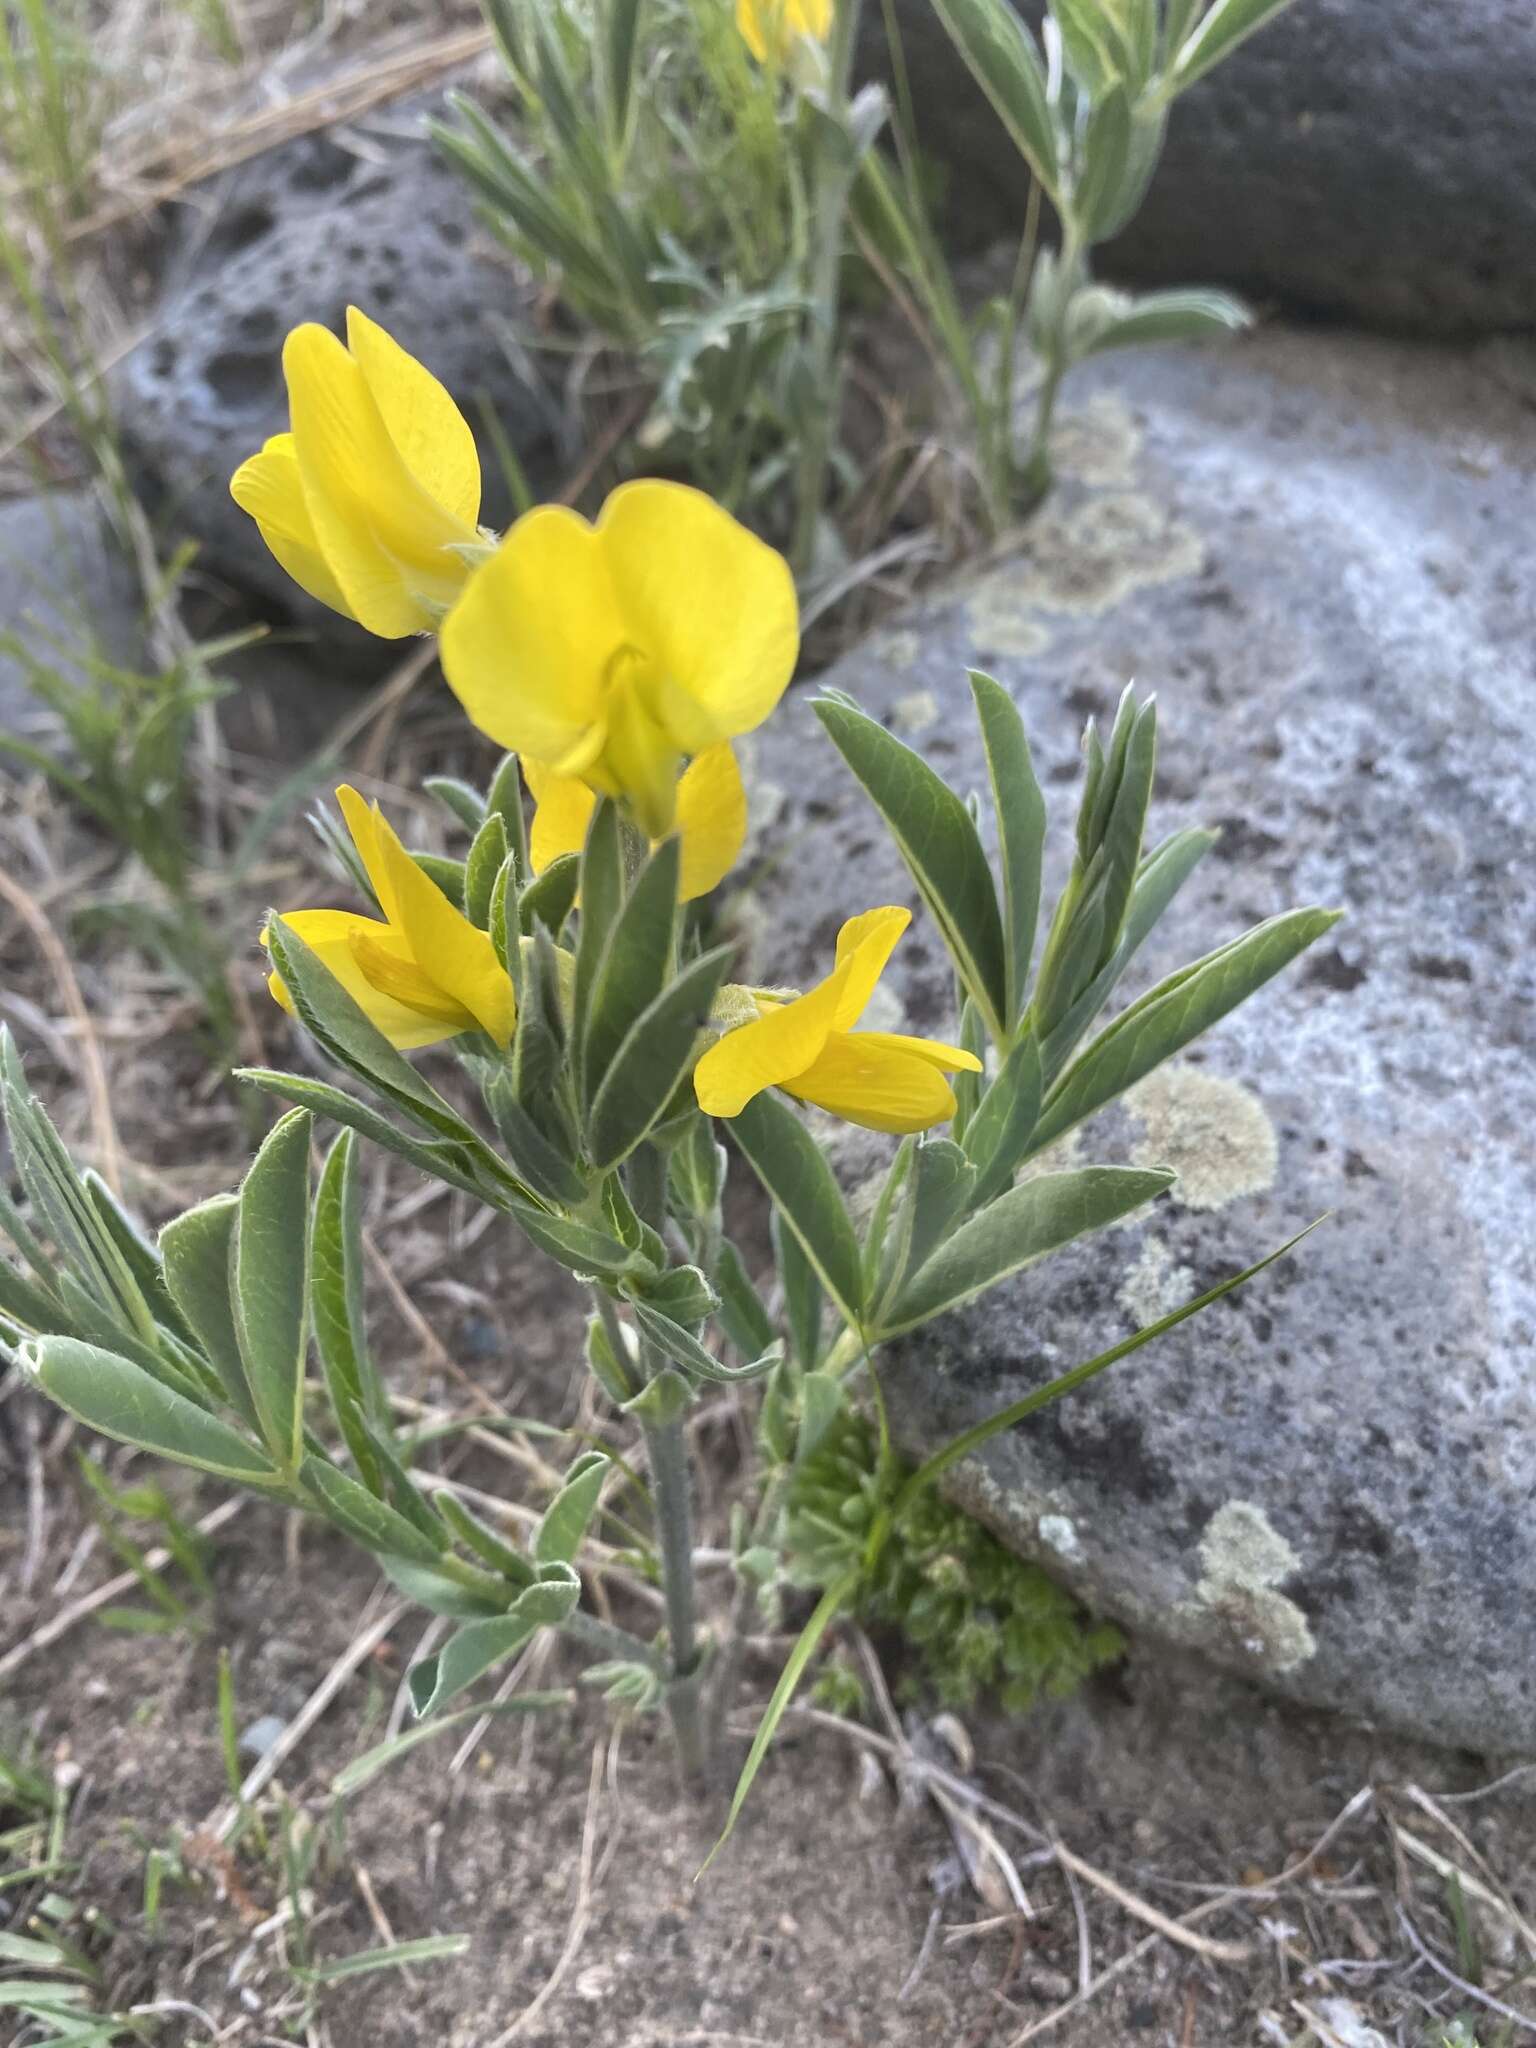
(1354, 156)
(298, 234)
(1316, 550)
(67, 592)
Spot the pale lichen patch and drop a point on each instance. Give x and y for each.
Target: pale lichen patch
(1002, 617)
(1214, 1133)
(1059, 1533)
(1089, 558)
(899, 650)
(1244, 1559)
(1154, 1286)
(1098, 443)
(914, 713)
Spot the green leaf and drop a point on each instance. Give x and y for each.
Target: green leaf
(633, 969)
(390, 1955)
(742, 1315)
(136, 1252)
(119, 1399)
(794, 1170)
(1106, 148)
(942, 1188)
(1023, 1225)
(1173, 1015)
(937, 838)
(602, 898)
(1170, 316)
(653, 1058)
(1227, 24)
(549, 897)
(1068, 1382)
(559, 1534)
(804, 1301)
(546, 1166)
(508, 1563)
(1161, 876)
(458, 799)
(685, 1350)
(439, 1594)
(1003, 60)
(577, 1246)
(475, 1648)
(620, 37)
(336, 1287)
(997, 1137)
(1094, 52)
(367, 1519)
(505, 798)
(442, 1159)
(364, 1769)
(826, 1612)
(445, 874)
(684, 1294)
(271, 1282)
(1019, 809)
(483, 863)
(196, 1258)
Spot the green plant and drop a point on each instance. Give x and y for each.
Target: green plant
(976, 1615)
(1087, 107)
(703, 222)
(697, 224)
(199, 1349)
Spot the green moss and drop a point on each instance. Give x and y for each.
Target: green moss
(976, 1616)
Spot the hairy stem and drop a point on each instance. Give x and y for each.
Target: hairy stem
(828, 228)
(667, 1455)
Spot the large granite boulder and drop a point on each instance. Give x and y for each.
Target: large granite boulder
(1316, 550)
(1354, 156)
(299, 234)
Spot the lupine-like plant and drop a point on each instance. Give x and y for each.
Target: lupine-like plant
(613, 1056)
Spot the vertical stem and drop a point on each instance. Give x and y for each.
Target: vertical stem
(1036, 473)
(667, 1455)
(833, 174)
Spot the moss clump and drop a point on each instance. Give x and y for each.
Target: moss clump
(977, 1616)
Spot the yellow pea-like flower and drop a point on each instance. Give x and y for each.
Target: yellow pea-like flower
(771, 28)
(613, 652)
(423, 972)
(807, 1045)
(372, 500)
(711, 818)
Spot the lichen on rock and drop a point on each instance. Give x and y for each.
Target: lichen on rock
(1214, 1133)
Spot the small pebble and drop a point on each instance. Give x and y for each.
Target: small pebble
(259, 1738)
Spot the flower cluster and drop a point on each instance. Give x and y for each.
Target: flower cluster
(618, 658)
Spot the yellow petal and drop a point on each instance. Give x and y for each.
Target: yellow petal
(331, 935)
(268, 486)
(640, 762)
(432, 435)
(711, 606)
(391, 969)
(781, 1044)
(711, 821)
(866, 944)
(949, 1059)
(867, 1079)
(388, 544)
(562, 811)
(363, 823)
(770, 27)
(530, 644)
(457, 956)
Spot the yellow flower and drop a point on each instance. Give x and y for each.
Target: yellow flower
(711, 818)
(424, 972)
(770, 28)
(614, 652)
(369, 501)
(807, 1046)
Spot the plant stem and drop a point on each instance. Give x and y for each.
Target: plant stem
(667, 1455)
(834, 172)
(1035, 475)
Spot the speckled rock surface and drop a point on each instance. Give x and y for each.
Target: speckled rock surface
(1357, 156)
(298, 234)
(63, 580)
(1316, 550)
